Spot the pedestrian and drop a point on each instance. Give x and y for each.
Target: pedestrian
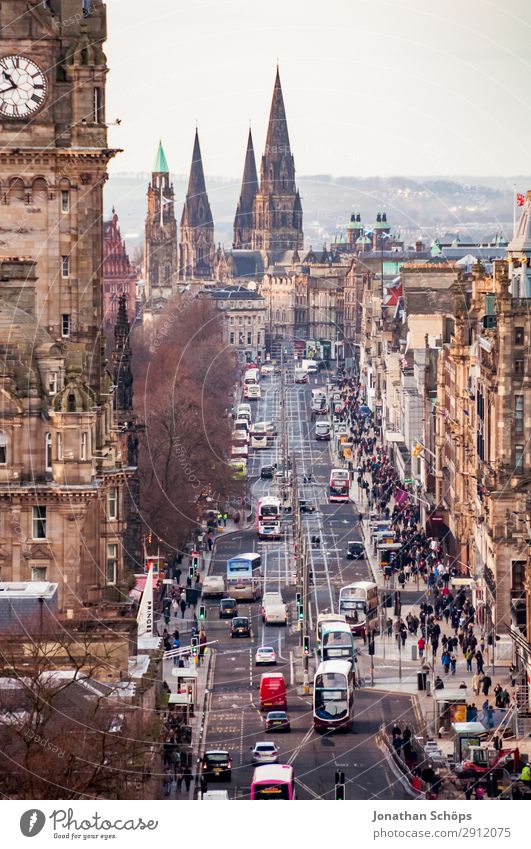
(445, 660)
(421, 644)
(178, 576)
(403, 634)
(469, 657)
(389, 626)
(453, 663)
(168, 780)
(439, 684)
(187, 775)
(479, 662)
(486, 684)
(183, 607)
(176, 645)
(469, 788)
(475, 684)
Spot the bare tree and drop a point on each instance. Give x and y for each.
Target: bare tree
(182, 387)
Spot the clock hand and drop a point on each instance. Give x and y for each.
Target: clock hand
(10, 78)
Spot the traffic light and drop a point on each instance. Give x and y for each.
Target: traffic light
(202, 611)
(191, 572)
(371, 643)
(195, 559)
(298, 599)
(306, 647)
(300, 613)
(195, 646)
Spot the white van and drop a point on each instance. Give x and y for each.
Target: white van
(252, 392)
(242, 424)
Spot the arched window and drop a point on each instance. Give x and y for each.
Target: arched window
(39, 192)
(16, 191)
(71, 403)
(3, 449)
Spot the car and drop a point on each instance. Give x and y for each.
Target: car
(267, 472)
(265, 753)
(277, 720)
(216, 765)
(355, 550)
(306, 506)
(228, 608)
(240, 627)
(265, 656)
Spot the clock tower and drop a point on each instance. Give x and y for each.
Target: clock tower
(61, 471)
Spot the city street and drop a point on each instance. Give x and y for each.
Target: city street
(234, 720)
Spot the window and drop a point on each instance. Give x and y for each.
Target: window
(84, 445)
(518, 413)
(249, 337)
(59, 441)
(240, 338)
(519, 459)
(48, 452)
(65, 266)
(65, 200)
(519, 336)
(65, 325)
(3, 449)
(112, 562)
(39, 522)
(52, 383)
(232, 319)
(519, 368)
(231, 338)
(112, 503)
(38, 573)
(98, 105)
(258, 338)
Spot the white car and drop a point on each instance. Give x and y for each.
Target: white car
(265, 656)
(265, 753)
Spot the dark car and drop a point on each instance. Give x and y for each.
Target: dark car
(355, 550)
(216, 765)
(267, 471)
(306, 506)
(228, 608)
(277, 720)
(240, 627)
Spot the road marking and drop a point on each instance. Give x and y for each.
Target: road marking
(303, 742)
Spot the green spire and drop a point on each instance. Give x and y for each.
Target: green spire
(161, 166)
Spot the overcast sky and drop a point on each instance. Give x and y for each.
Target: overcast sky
(371, 86)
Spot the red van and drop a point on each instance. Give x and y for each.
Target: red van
(273, 691)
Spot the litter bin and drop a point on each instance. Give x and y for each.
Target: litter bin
(413, 652)
(421, 680)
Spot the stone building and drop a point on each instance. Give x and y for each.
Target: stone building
(196, 244)
(483, 450)
(61, 472)
(161, 262)
(244, 319)
(119, 276)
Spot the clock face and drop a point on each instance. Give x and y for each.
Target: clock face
(22, 87)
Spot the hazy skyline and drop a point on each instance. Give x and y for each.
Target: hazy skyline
(370, 86)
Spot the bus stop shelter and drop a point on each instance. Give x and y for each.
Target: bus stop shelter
(186, 682)
(450, 707)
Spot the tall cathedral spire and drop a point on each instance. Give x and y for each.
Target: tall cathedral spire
(196, 247)
(277, 209)
(160, 252)
(243, 221)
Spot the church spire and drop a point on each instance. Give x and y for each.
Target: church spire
(197, 226)
(161, 165)
(244, 212)
(278, 167)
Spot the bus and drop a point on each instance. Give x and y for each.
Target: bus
(244, 577)
(358, 603)
(333, 695)
(337, 642)
(322, 620)
(339, 485)
(252, 392)
(269, 518)
(273, 781)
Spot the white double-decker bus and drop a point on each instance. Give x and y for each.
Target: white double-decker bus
(269, 518)
(333, 695)
(358, 603)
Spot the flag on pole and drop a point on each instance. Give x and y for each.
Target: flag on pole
(520, 199)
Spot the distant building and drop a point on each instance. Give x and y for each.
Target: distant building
(119, 276)
(160, 251)
(244, 317)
